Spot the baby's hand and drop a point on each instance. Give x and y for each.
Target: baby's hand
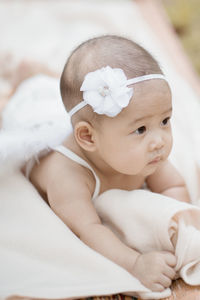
(155, 269)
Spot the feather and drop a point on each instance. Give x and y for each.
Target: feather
(33, 122)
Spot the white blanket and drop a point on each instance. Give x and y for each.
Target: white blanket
(40, 257)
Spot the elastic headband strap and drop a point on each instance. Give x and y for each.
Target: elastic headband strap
(77, 107)
(145, 77)
(129, 82)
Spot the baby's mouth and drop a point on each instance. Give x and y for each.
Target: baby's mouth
(157, 159)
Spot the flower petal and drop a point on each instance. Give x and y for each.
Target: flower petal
(119, 92)
(122, 101)
(107, 103)
(92, 98)
(114, 111)
(108, 75)
(92, 81)
(110, 107)
(120, 76)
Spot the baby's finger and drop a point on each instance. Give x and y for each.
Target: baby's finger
(165, 281)
(170, 259)
(169, 272)
(157, 287)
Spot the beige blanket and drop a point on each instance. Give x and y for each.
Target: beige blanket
(148, 221)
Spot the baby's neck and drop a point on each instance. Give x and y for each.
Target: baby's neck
(109, 178)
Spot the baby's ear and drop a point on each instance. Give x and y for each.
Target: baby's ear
(84, 135)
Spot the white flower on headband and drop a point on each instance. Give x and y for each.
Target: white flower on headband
(106, 91)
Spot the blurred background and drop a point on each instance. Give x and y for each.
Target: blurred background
(38, 34)
(185, 17)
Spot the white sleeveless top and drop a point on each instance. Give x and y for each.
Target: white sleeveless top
(70, 154)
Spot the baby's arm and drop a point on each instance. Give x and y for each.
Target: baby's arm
(167, 181)
(70, 197)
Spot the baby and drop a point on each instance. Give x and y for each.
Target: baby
(120, 107)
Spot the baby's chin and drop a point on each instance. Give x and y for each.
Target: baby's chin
(151, 168)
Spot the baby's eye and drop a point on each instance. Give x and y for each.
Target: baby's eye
(140, 130)
(166, 121)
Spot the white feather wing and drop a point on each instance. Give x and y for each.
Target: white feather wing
(33, 121)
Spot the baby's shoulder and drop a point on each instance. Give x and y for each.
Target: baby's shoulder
(55, 168)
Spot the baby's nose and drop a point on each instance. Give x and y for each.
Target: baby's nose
(156, 143)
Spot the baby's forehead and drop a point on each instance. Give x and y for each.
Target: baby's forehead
(148, 100)
(151, 87)
(150, 93)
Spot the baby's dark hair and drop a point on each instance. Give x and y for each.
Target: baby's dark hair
(108, 50)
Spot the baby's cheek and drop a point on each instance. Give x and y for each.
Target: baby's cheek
(169, 145)
(136, 161)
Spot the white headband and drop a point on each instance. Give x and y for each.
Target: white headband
(106, 90)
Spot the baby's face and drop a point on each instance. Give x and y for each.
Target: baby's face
(139, 139)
